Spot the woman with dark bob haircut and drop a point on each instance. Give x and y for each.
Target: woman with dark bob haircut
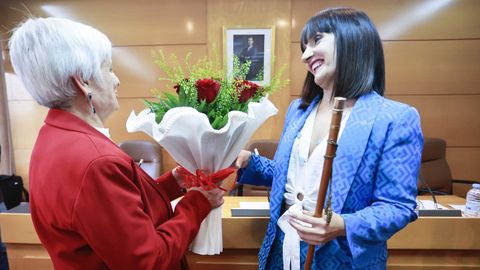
(374, 179)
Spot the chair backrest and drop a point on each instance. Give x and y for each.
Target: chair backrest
(149, 152)
(434, 169)
(266, 148)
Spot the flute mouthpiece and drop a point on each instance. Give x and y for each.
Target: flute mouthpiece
(339, 103)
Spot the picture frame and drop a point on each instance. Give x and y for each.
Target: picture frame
(255, 44)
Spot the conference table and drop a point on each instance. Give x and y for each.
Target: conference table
(427, 243)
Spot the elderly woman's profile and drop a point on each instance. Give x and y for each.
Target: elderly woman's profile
(92, 206)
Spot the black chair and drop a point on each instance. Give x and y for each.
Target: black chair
(435, 172)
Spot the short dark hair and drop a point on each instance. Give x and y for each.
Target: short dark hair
(360, 61)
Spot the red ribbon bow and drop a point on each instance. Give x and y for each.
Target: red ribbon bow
(205, 179)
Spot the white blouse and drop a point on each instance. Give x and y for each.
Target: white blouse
(303, 181)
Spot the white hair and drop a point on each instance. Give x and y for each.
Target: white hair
(47, 52)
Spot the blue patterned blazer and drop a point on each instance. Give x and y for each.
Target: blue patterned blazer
(374, 180)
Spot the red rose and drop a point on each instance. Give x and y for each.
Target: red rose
(207, 89)
(247, 90)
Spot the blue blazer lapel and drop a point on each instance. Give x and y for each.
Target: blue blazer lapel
(352, 145)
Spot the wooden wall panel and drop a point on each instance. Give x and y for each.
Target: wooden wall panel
(418, 67)
(123, 21)
(430, 45)
(298, 69)
(133, 65)
(453, 118)
(134, 30)
(403, 19)
(138, 74)
(257, 13)
(432, 56)
(432, 67)
(464, 162)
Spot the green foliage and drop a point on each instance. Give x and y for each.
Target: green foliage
(228, 97)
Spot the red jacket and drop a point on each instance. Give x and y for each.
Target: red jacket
(94, 208)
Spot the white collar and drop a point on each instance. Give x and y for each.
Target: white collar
(104, 131)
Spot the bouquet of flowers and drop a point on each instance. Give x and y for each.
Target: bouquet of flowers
(205, 125)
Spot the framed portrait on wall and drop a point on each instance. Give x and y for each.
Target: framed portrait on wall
(254, 44)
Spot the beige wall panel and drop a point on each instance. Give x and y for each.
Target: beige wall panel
(432, 67)
(26, 118)
(401, 19)
(453, 118)
(257, 13)
(464, 162)
(138, 73)
(418, 67)
(123, 21)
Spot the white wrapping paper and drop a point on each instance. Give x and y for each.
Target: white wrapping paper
(192, 142)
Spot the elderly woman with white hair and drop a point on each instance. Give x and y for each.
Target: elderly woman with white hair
(91, 205)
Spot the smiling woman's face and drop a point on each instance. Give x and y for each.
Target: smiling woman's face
(320, 59)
